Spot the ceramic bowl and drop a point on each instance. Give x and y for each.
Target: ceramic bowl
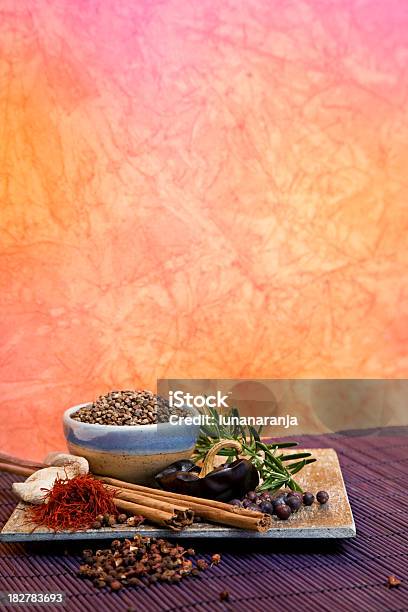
(134, 453)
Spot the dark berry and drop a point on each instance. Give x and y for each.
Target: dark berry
(253, 507)
(322, 497)
(308, 498)
(265, 496)
(278, 501)
(266, 507)
(293, 502)
(283, 512)
(246, 503)
(235, 502)
(251, 495)
(296, 494)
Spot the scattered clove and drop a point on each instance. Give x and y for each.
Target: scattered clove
(393, 581)
(224, 596)
(140, 562)
(202, 565)
(115, 585)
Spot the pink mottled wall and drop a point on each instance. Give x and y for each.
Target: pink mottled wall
(197, 189)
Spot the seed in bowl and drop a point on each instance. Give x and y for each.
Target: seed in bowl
(127, 408)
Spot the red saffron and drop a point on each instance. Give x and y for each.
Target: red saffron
(73, 504)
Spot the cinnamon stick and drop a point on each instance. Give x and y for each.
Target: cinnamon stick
(256, 522)
(10, 459)
(16, 469)
(183, 513)
(174, 521)
(178, 497)
(209, 510)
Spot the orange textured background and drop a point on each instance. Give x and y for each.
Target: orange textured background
(197, 189)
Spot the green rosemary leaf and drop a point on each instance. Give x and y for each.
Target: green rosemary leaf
(213, 414)
(261, 446)
(254, 433)
(235, 427)
(227, 452)
(265, 457)
(295, 456)
(208, 431)
(280, 478)
(304, 462)
(217, 427)
(294, 486)
(297, 467)
(272, 482)
(274, 486)
(284, 444)
(311, 460)
(269, 456)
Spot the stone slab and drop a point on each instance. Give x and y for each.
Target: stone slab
(333, 520)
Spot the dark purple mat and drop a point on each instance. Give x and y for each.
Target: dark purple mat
(298, 575)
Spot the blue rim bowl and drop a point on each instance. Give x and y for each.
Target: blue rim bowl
(129, 452)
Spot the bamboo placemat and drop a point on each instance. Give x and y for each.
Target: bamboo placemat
(310, 575)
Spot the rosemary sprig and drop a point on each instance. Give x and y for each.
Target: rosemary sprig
(272, 465)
